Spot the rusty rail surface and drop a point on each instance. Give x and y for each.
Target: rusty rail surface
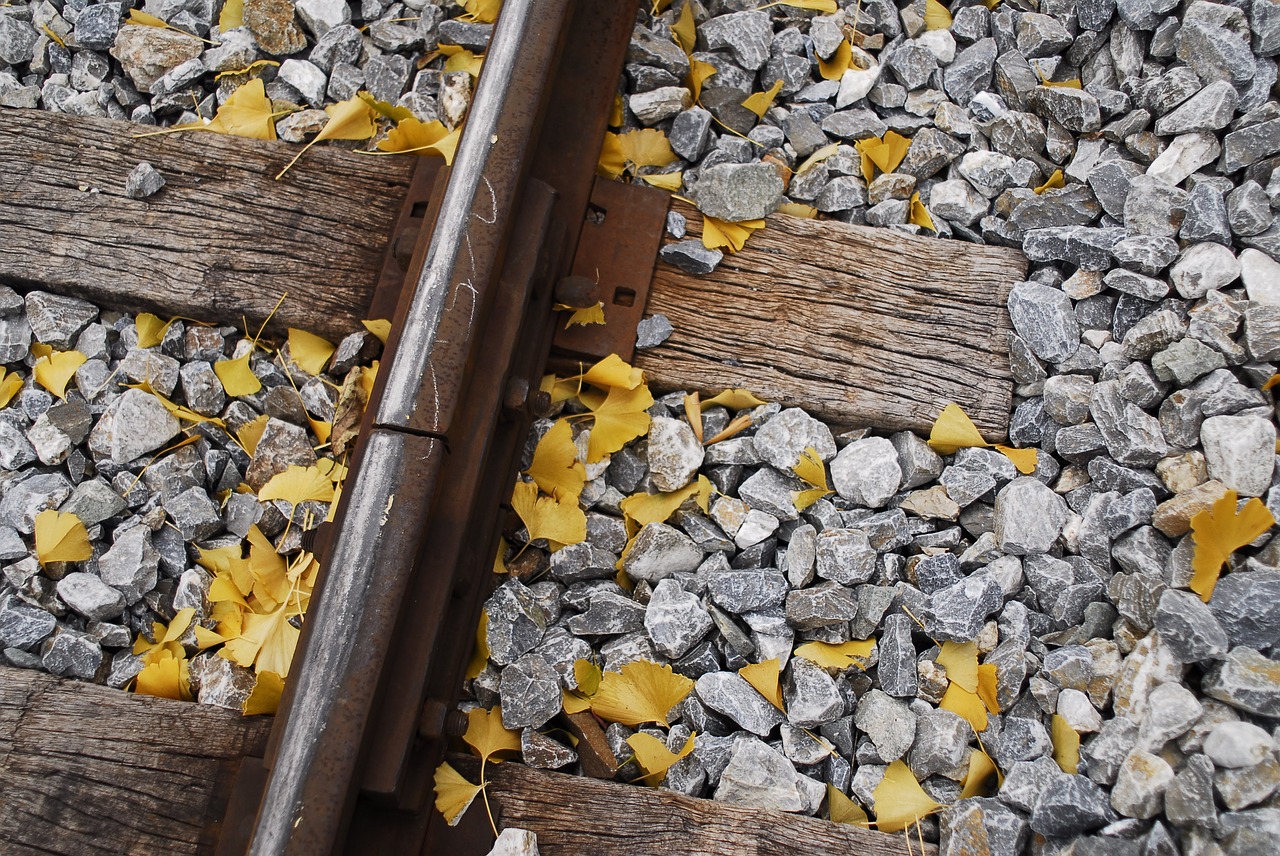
(406, 563)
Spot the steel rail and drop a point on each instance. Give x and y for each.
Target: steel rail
(308, 799)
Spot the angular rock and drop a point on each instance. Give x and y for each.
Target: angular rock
(1028, 517)
(729, 694)
(90, 596)
(760, 776)
(1070, 805)
(889, 724)
(530, 693)
(738, 191)
(867, 472)
(1240, 452)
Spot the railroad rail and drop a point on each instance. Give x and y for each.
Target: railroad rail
(475, 261)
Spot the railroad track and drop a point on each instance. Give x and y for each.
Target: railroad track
(475, 256)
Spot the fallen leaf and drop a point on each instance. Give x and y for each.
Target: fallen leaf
(817, 157)
(251, 432)
(266, 642)
(765, 678)
(734, 399)
(960, 659)
(394, 112)
(309, 351)
(144, 19)
(987, 686)
(248, 69)
(981, 769)
(61, 537)
(628, 152)
(838, 656)
(936, 16)
(587, 675)
(1073, 83)
(10, 385)
(841, 809)
(483, 11)
(298, 484)
(835, 67)
(453, 793)
(672, 181)
(953, 430)
(1054, 181)
(1066, 744)
(586, 315)
(265, 697)
(965, 704)
(1272, 382)
(379, 327)
(641, 692)
(546, 517)
(760, 102)
(556, 468)
(56, 370)
(1023, 459)
(827, 7)
(718, 234)
(652, 754)
(499, 563)
(797, 209)
(899, 799)
(646, 508)
(813, 472)
(739, 423)
(617, 113)
(166, 678)
(232, 15)
(699, 71)
(487, 735)
(1218, 532)
(412, 135)
(619, 419)
(685, 29)
(236, 376)
(919, 215)
(150, 329)
(348, 120)
(612, 371)
(693, 413)
(885, 152)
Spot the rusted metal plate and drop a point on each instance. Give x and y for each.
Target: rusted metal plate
(412, 221)
(618, 248)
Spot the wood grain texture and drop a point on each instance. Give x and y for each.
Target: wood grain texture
(861, 326)
(576, 816)
(221, 241)
(86, 769)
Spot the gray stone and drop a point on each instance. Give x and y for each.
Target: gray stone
(143, 181)
(1186, 360)
(889, 724)
(1206, 218)
(1243, 787)
(1041, 35)
(24, 500)
(822, 605)
(56, 319)
(516, 623)
(867, 472)
(675, 619)
(1028, 517)
(897, 668)
(1211, 109)
(1249, 145)
(16, 450)
(658, 551)
(957, 201)
(970, 72)
(747, 35)
(738, 191)
(1132, 436)
(539, 751)
(71, 654)
(147, 365)
(321, 16)
(1261, 331)
(1189, 628)
(22, 625)
(530, 693)
(194, 514)
(692, 257)
(674, 453)
(1246, 680)
(1204, 267)
(1249, 209)
(842, 193)
(1188, 800)
(608, 614)
(812, 698)
(770, 491)
(134, 424)
(1075, 109)
(759, 776)
(220, 682)
(1045, 320)
(729, 694)
(1086, 247)
(90, 596)
(1244, 603)
(931, 151)
(784, 438)
(1070, 805)
(1143, 287)
(958, 611)
(845, 556)
(131, 566)
(689, 133)
(1240, 452)
(97, 25)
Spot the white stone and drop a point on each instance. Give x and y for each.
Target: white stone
(1238, 744)
(515, 841)
(857, 81)
(305, 77)
(1028, 517)
(867, 472)
(665, 102)
(957, 201)
(1240, 452)
(321, 16)
(1140, 785)
(1186, 154)
(674, 453)
(1261, 275)
(759, 776)
(1205, 267)
(757, 526)
(940, 43)
(1080, 714)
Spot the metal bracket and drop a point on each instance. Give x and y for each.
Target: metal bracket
(618, 250)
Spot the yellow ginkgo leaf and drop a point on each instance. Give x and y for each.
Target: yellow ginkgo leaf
(168, 677)
(919, 215)
(178, 626)
(1066, 744)
(487, 735)
(652, 754)
(61, 537)
(483, 11)
(413, 135)
(734, 399)
(309, 351)
(817, 157)
(267, 641)
(841, 809)
(1218, 532)
(797, 209)
(646, 508)
(827, 7)
(1272, 382)
(251, 432)
(642, 692)
(499, 559)
(953, 430)
(232, 15)
(981, 770)
(813, 472)
(236, 376)
(693, 413)
(587, 675)
(699, 71)
(835, 67)
(556, 468)
(965, 704)
(298, 484)
(320, 428)
(379, 327)
(1073, 83)
(885, 152)
(453, 793)
(560, 522)
(685, 29)
(56, 370)
(386, 109)
(265, 697)
(760, 102)
(613, 371)
(352, 119)
(1024, 460)
(722, 234)
(619, 419)
(10, 385)
(1054, 181)
(586, 315)
(672, 181)
(936, 16)
(634, 149)
(988, 683)
(574, 703)
(899, 799)
(765, 678)
(150, 329)
(960, 659)
(838, 656)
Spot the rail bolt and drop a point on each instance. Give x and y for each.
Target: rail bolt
(577, 291)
